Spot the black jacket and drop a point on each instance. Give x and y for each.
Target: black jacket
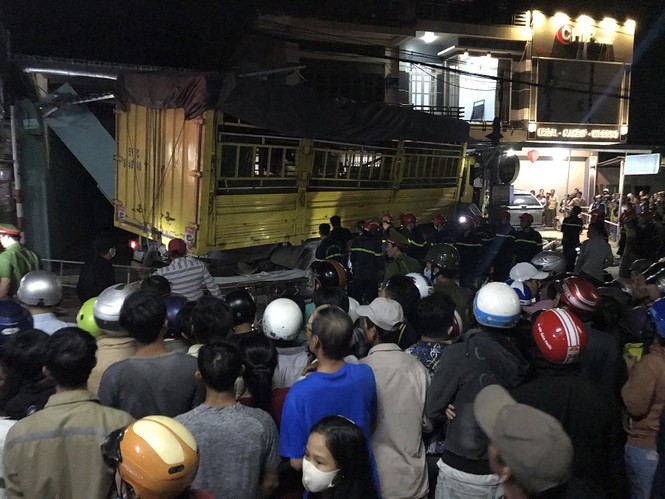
(366, 258)
(96, 275)
(482, 357)
(528, 243)
(591, 419)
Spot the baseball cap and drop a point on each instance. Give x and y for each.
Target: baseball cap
(177, 246)
(532, 443)
(524, 271)
(383, 312)
(9, 229)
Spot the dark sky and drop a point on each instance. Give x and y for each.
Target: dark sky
(202, 34)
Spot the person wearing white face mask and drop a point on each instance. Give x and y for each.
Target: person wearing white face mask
(336, 462)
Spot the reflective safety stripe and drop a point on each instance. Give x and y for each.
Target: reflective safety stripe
(505, 235)
(420, 245)
(470, 245)
(363, 250)
(528, 241)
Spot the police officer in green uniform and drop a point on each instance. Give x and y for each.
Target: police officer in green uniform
(15, 261)
(401, 263)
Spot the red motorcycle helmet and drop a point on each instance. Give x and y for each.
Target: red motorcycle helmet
(580, 296)
(560, 336)
(457, 326)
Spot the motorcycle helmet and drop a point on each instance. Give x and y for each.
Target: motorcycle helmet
(156, 455)
(657, 314)
(497, 305)
(580, 296)
(329, 273)
(549, 261)
(242, 305)
(282, 319)
(523, 291)
(559, 335)
(444, 256)
(40, 288)
(353, 305)
(457, 326)
(173, 305)
(85, 319)
(13, 318)
(107, 307)
(422, 283)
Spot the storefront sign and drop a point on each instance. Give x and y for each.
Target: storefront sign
(641, 164)
(577, 133)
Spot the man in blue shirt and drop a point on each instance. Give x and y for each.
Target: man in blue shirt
(335, 388)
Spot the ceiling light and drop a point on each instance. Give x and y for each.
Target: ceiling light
(537, 19)
(629, 25)
(428, 37)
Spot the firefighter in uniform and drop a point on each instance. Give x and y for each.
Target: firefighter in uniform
(367, 264)
(414, 233)
(528, 242)
(571, 229)
(470, 247)
(442, 231)
(504, 247)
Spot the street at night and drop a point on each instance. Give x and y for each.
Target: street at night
(338, 250)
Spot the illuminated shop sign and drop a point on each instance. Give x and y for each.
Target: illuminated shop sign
(583, 38)
(574, 133)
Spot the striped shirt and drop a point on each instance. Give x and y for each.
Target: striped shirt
(187, 276)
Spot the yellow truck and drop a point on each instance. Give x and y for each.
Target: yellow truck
(219, 183)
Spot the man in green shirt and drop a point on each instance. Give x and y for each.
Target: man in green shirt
(15, 261)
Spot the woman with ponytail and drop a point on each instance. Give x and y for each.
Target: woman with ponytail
(260, 358)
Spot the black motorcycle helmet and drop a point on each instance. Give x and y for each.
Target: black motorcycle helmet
(243, 306)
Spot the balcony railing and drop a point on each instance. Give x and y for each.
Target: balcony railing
(451, 111)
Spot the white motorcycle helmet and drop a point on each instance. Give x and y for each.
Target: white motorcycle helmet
(497, 305)
(422, 283)
(107, 307)
(523, 291)
(353, 305)
(40, 288)
(282, 319)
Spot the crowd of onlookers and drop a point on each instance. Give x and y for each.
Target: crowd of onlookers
(393, 372)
